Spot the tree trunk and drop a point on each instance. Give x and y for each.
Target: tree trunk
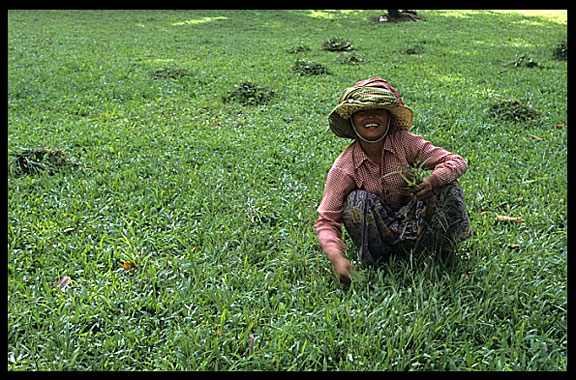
(394, 13)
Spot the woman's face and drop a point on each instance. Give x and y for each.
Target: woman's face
(371, 124)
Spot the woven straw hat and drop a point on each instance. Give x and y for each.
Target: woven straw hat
(373, 93)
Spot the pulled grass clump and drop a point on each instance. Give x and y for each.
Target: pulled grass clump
(169, 73)
(298, 49)
(336, 44)
(414, 50)
(350, 59)
(522, 61)
(35, 161)
(561, 51)
(513, 110)
(249, 94)
(309, 68)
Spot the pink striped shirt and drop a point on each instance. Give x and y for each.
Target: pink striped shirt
(354, 170)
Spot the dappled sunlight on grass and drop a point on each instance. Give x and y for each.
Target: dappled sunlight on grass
(537, 17)
(527, 16)
(331, 14)
(199, 21)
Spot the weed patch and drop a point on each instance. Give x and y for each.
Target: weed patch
(309, 68)
(560, 52)
(298, 49)
(249, 94)
(522, 61)
(414, 50)
(350, 59)
(169, 73)
(35, 161)
(336, 44)
(513, 110)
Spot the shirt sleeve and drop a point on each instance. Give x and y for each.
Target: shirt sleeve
(445, 166)
(329, 222)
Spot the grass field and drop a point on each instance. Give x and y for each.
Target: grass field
(133, 139)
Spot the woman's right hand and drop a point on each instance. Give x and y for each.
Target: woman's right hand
(343, 267)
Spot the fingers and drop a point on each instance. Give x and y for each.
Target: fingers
(343, 268)
(424, 193)
(425, 190)
(344, 273)
(345, 278)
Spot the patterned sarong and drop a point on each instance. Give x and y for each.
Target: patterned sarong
(377, 231)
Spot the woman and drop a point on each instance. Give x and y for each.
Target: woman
(366, 188)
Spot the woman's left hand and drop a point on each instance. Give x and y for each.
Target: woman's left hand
(425, 189)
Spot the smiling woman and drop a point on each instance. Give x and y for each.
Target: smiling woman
(365, 192)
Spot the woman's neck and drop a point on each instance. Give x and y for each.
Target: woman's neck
(372, 150)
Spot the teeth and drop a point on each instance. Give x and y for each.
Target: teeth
(371, 126)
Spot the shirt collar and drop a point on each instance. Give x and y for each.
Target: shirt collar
(359, 156)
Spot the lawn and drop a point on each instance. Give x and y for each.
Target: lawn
(170, 164)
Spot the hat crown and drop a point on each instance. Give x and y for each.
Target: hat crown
(380, 83)
(368, 95)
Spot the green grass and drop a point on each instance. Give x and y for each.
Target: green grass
(215, 200)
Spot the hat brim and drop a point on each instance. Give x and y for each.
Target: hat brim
(339, 118)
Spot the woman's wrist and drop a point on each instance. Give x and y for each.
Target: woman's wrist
(434, 181)
(333, 254)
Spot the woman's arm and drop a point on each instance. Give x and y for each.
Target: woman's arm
(446, 166)
(329, 222)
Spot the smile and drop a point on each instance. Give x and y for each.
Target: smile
(371, 125)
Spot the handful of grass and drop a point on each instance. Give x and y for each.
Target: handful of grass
(412, 175)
